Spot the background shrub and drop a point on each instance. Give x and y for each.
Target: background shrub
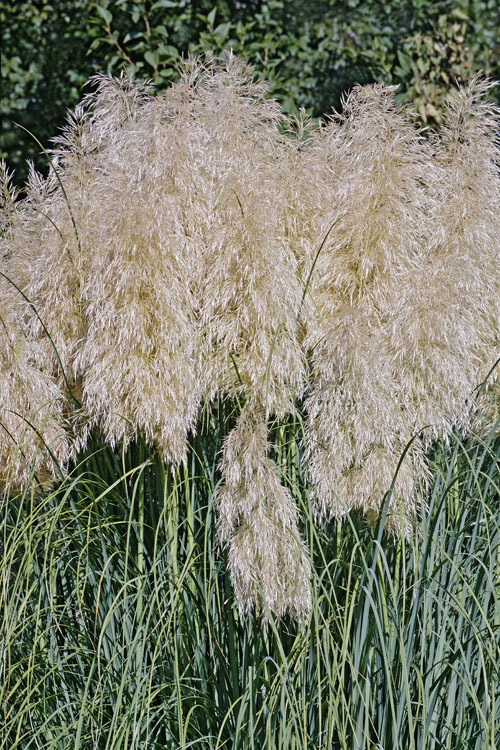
(310, 53)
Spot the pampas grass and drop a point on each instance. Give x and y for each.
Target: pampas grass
(184, 249)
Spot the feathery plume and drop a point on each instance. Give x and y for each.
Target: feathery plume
(372, 166)
(102, 259)
(258, 520)
(245, 280)
(163, 221)
(465, 244)
(248, 294)
(33, 440)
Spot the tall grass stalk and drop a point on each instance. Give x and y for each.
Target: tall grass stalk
(120, 628)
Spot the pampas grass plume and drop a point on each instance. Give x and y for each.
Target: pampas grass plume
(34, 443)
(200, 244)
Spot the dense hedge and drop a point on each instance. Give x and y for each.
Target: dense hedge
(310, 52)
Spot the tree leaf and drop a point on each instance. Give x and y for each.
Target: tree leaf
(105, 14)
(152, 58)
(211, 16)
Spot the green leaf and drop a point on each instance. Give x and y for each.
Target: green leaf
(133, 35)
(105, 14)
(461, 14)
(152, 58)
(211, 16)
(168, 50)
(164, 4)
(404, 61)
(222, 30)
(161, 30)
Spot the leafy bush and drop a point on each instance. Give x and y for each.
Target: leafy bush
(44, 66)
(308, 53)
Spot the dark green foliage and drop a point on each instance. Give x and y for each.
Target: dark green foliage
(44, 67)
(309, 52)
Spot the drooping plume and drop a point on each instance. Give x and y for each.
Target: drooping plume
(258, 519)
(33, 441)
(411, 234)
(156, 255)
(248, 295)
(366, 241)
(465, 246)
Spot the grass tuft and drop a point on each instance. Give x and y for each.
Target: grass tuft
(121, 630)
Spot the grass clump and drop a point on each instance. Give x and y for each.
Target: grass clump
(221, 326)
(120, 628)
(185, 249)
